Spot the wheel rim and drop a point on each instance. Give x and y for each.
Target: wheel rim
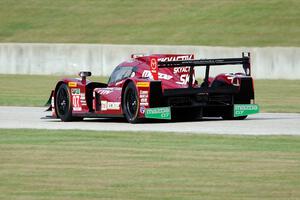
(131, 103)
(62, 101)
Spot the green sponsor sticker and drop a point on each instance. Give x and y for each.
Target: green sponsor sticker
(75, 91)
(245, 109)
(158, 113)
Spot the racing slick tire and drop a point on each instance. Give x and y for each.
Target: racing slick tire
(229, 116)
(130, 103)
(63, 105)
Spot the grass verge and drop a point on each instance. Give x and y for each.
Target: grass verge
(29, 90)
(24, 90)
(278, 95)
(181, 22)
(44, 164)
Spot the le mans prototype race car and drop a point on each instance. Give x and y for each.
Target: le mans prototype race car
(159, 86)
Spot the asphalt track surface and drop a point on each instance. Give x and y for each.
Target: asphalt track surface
(258, 124)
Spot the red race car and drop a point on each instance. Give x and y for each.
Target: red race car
(159, 86)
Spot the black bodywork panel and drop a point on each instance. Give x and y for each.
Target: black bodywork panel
(211, 101)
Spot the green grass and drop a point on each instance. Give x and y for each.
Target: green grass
(278, 95)
(41, 164)
(181, 22)
(24, 90)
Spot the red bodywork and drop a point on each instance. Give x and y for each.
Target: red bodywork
(92, 99)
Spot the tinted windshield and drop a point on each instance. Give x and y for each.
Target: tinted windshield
(120, 73)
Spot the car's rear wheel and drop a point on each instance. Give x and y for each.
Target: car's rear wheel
(63, 104)
(130, 103)
(229, 116)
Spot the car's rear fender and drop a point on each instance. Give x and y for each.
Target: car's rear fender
(245, 84)
(149, 93)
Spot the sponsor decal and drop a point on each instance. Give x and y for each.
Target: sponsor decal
(76, 102)
(154, 67)
(147, 73)
(174, 58)
(158, 113)
(104, 91)
(106, 105)
(142, 109)
(75, 91)
(234, 80)
(132, 74)
(143, 92)
(72, 84)
(77, 98)
(113, 105)
(143, 84)
(143, 95)
(103, 105)
(144, 100)
(245, 109)
(184, 79)
(82, 99)
(177, 70)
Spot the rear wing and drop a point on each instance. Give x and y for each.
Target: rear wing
(244, 61)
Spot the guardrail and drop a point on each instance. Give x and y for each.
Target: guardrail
(101, 59)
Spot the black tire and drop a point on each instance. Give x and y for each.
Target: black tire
(63, 105)
(130, 103)
(228, 115)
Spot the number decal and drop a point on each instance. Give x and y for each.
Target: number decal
(76, 102)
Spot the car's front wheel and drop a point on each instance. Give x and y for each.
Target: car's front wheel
(130, 103)
(63, 105)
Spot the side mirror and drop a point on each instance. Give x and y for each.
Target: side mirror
(83, 75)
